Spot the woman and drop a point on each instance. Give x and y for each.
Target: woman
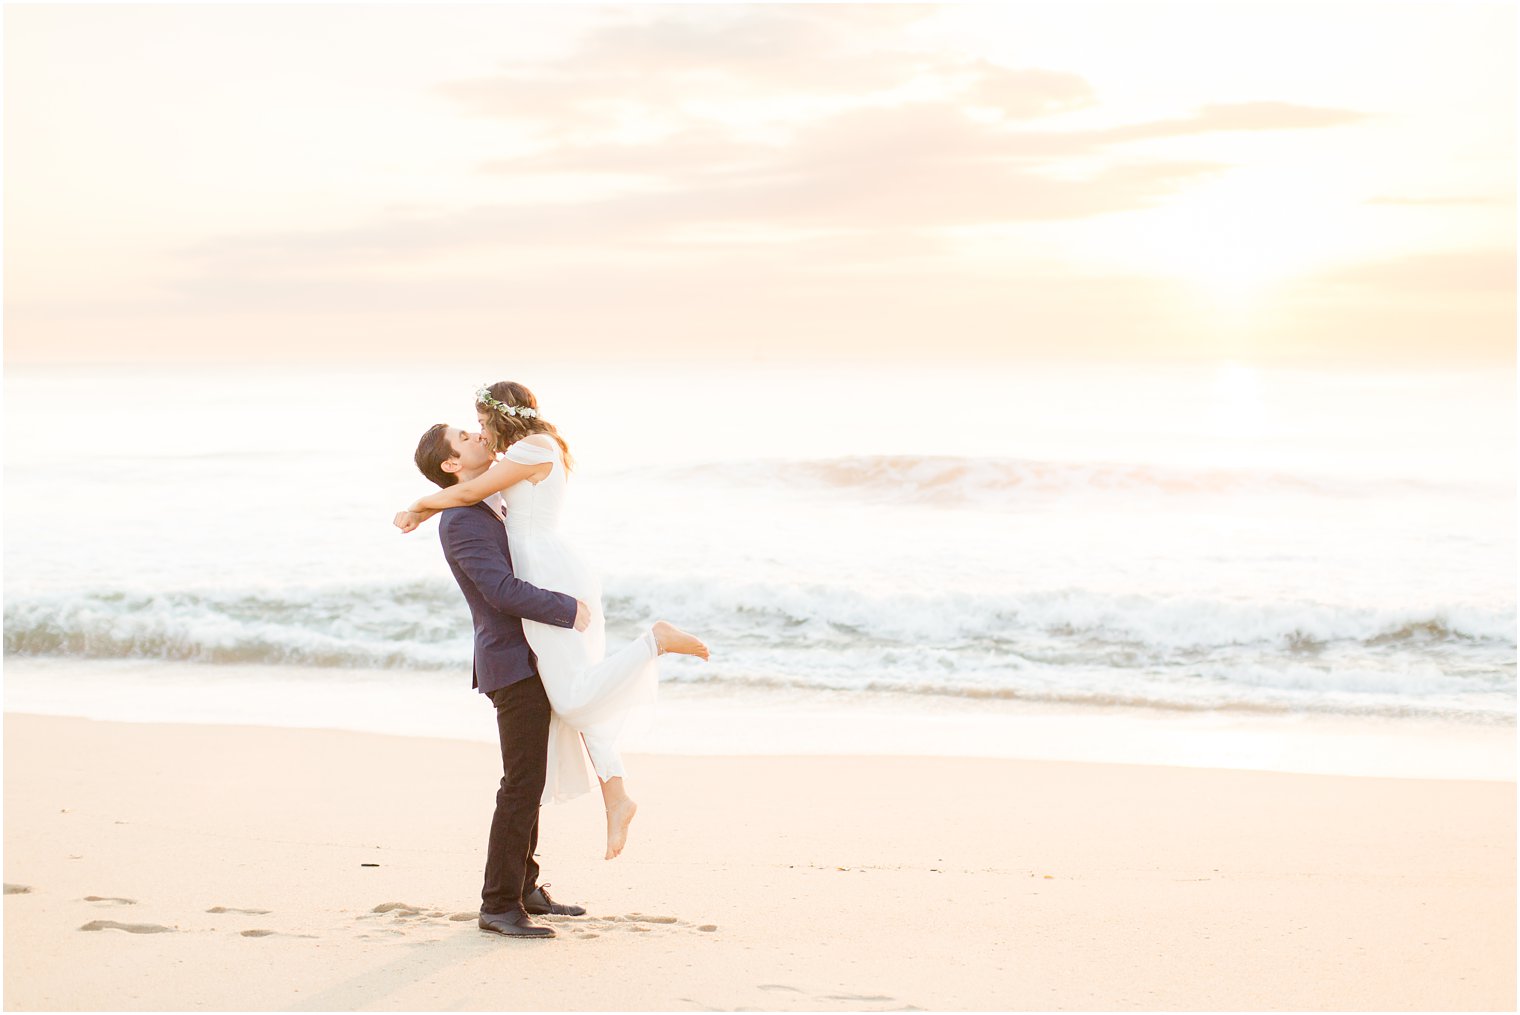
(592, 693)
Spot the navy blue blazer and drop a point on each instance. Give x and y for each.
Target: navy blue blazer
(475, 543)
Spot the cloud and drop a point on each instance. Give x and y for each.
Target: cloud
(676, 67)
(657, 66)
(769, 41)
(1470, 271)
(881, 136)
(695, 151)
(1232, 117)
(904, 190)
(1453, 202)
(920, 165)
(872, 153)
(1027, 93)
(848, 127)
(914, 167)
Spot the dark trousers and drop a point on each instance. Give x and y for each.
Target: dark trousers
(522, 723)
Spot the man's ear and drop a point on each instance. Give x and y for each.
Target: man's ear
(450, 465)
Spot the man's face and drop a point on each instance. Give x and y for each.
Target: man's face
(470, 452)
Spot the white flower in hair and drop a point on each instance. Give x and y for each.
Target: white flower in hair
(484, 397)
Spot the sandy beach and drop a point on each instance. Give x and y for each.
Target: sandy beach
(205, 867)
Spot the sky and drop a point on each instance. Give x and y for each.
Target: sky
(1233, 182)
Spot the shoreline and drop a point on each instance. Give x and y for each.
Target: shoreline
(710, 719)
(185, 866)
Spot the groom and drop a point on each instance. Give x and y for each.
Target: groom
(475, 543)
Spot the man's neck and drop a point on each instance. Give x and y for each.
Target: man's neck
(465, 475)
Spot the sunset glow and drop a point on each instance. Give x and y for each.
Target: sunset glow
(762, 181)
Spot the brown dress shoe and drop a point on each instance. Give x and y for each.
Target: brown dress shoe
(539, 903)
(513, 925)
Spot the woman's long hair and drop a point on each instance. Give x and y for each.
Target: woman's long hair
(504, 430)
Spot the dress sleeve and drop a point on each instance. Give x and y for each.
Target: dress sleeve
(525, 452)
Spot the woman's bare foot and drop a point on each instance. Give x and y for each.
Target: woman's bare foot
(671, 638)
(619, 817)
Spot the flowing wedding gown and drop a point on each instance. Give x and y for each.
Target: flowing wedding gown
(593, 695)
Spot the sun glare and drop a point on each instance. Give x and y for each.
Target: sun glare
(1235, 239)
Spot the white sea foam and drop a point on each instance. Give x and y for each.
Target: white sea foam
(1059, 645)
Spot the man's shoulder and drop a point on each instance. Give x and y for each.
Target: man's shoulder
(454, 517)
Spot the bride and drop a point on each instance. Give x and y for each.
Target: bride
(592, 693)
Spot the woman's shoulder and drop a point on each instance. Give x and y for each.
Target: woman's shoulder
(534, 449)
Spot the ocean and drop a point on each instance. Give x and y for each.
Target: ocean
(1207, 539)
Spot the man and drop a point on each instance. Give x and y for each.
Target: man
(475, 543)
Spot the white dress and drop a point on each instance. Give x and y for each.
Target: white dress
(593, 694)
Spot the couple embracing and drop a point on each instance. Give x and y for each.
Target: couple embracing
(540, 645)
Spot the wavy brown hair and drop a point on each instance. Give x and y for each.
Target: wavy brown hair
(504, 430)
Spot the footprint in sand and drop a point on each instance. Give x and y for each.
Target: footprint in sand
(461, 917)
(111, 898)
(130, 928)
(632, 923)
(260, 932)
(836, 997)
(234, 909)
(18, 889)
(401, 909)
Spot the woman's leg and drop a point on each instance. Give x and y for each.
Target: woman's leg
(597, 701)
(671, 638)
(620, 812)
(585, 698)
(609, 772)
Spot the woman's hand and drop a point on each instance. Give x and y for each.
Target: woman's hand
(406, 521)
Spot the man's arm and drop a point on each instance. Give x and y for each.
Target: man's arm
(479, 556)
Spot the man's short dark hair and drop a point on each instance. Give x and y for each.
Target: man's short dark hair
(432, 451)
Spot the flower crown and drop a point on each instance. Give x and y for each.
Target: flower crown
(484, 397)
